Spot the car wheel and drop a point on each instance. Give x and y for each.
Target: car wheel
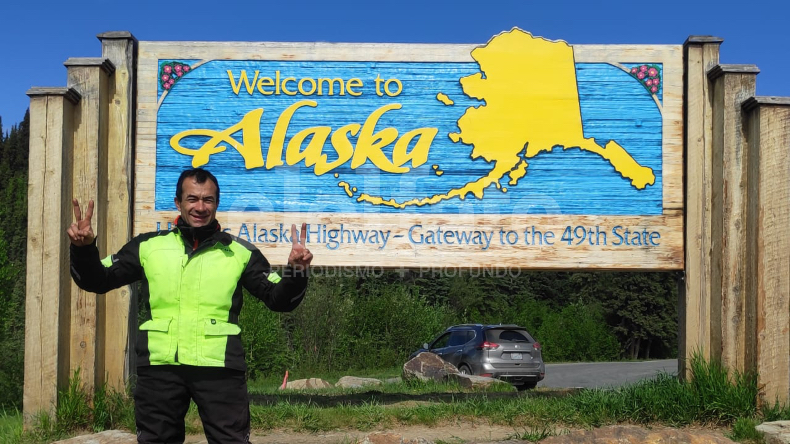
(527, 386)
(465, 370)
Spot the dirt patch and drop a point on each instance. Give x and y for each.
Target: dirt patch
(467, 433)
(450, 433)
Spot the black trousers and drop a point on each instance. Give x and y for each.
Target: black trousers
(161, 400)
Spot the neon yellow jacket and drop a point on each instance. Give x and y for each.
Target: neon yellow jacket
(192, 294)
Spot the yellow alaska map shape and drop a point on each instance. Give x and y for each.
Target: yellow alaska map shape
(531, 106)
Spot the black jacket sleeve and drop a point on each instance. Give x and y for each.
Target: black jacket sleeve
(91, 275)
(284, 295)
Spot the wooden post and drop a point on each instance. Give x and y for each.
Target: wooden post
(121, 307)
(733, 84)
(48, 280)
(701, 53)
(768, 228)
(90, 77)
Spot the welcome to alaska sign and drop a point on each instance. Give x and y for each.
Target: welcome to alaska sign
(521, 152)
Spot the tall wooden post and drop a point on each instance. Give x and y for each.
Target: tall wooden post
(121, 307)
(696, 312)
(89, 77)
(768, 227)
(47, 304)
(733, 84)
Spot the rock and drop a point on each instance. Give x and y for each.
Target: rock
(475, 382)
(396, 380)
(355, 382)
(426, 367)
(776, 432)
(391, 438)
(626, 434)
(304, 384)
(106, 437)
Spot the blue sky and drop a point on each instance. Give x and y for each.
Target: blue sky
(36, 37)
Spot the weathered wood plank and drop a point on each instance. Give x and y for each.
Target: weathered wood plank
(374, 51)
(47, 300)
(732, 86)
(119, 48)
(90, 78)
(695, 305)
(400, 252)
(768, 228)
(40, 393)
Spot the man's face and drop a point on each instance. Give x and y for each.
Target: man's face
(198, 205)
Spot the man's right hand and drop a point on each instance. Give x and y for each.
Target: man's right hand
(81, 232)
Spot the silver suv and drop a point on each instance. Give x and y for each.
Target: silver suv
(506, 352)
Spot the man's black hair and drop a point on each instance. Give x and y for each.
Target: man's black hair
(200, 176)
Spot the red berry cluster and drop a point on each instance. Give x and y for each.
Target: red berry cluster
(649, 76)
(170, 73)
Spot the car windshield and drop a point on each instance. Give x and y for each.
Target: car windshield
(507, 335)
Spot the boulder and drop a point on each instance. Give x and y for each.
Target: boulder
(305, 384)
(105, 437)
(775, 432)
(356, 382)
(475, 382)
(428, 367)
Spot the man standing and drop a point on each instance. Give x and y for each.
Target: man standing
(190, 347)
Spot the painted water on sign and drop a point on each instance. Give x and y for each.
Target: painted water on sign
(434, 138)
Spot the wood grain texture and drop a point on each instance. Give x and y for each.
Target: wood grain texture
(672, 165)
(731, 89)
(120, 304)
(696, 308)
(47, 299)
(89, 163)
(401, 252)
(768, 259)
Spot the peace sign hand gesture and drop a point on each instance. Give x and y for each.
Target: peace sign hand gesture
(81, 232)
(300, 256)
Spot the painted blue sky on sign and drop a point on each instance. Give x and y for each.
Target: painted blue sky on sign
(561, 182)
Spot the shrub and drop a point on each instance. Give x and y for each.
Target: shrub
(577, 333)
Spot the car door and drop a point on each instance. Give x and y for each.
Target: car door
(439, 346)
(455, 347)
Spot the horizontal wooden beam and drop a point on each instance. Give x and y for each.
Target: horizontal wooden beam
(120, 35)
(69, 94)
(719, 70)
(702, 39)
(106, 65)
(754, 102)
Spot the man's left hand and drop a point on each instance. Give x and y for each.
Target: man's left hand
(300, 256)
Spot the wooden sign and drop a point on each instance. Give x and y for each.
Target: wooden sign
(521, 153)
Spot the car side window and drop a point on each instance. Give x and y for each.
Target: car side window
(441, 342)
(457, 338)
(470, 336)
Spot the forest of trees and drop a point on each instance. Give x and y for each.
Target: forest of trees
(13, 242)
(355, 322)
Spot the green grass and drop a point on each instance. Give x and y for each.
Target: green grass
(10, 426)
(743, 430)
(535, 433)
(711, 396)
(74, 415)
